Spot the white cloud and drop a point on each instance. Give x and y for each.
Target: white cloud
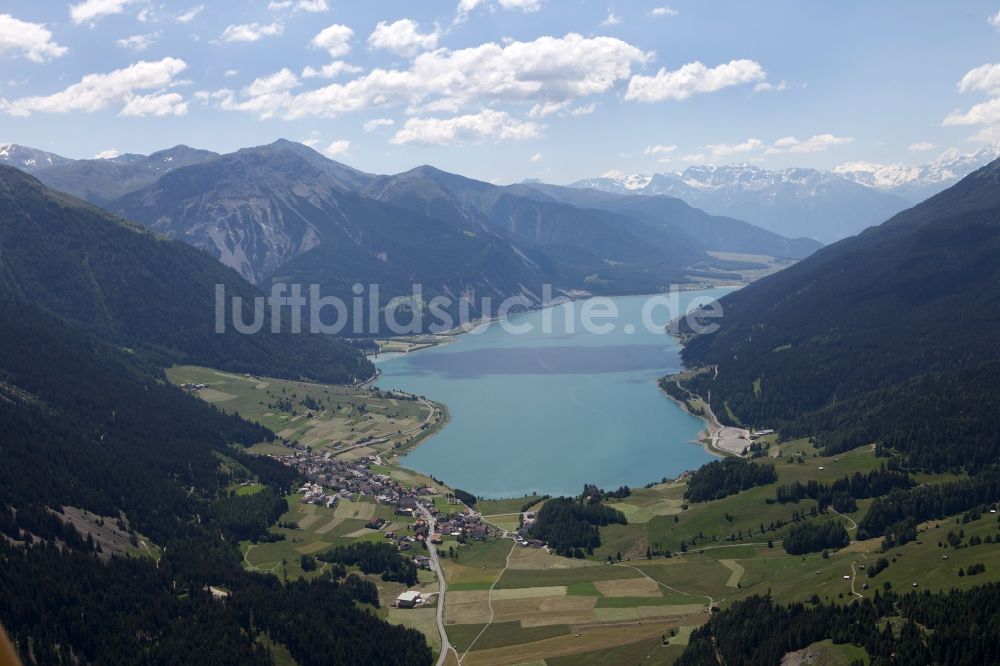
(472, 128)
(546, 71)
(663, 11)
(612, 19)
(32, 40)
(523, 5)
(230, 73)
(922, 146)
(402, 37)
(584, 110)
(464, 7)
(375, 123)
(536, 158)
(336, 39)
(330, 71)
(984, 113)
(659, 149)
(814, 144)
(727, 149)
(280, 81)
(985, 78)
(313, 6)
(548, 108)
(338, 147)
(995, 20)
(989, 134)
(189, 15)
(94, 10)
(251, 32)
(159, 104)
(266, 96)
(696, 158)
(766, 86)
(108, 154)
(691, 79)
(95, 92)
(138, 42)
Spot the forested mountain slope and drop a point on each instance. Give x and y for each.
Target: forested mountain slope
(89, 426)
(886, 337)
(141, 291)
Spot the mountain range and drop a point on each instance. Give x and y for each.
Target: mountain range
(283, 212)
(29, 160)
(825, 205)
(916, 183)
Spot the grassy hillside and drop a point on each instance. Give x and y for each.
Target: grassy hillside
(680, 557)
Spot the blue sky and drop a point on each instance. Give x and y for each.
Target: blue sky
(507, 89)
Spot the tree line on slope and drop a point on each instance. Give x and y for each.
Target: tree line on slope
(841, 493)
(721, 478)
(61, 607)
(943, 628)
(569, 525)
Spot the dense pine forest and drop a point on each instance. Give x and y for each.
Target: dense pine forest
(374, 558)
(569, 525)
(814, 536)
(841, 493)
(957, 627)
(721, 478)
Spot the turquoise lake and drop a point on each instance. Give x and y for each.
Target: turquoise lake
(547, 412)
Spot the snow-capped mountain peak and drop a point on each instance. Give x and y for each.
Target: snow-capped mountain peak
(627, 181)
(28, 159)
(916, 183)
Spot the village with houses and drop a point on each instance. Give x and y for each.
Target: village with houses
(430, 517)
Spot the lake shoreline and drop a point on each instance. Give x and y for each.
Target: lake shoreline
(705, 436)
(719, 440)
(604, 404)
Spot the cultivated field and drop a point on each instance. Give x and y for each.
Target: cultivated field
(317, 528)
(321, 417)
(507, 604)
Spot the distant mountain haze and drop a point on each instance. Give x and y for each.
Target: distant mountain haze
(27, 159)
(792, 203)
(824, 205)
(721, 234)
(101, 180)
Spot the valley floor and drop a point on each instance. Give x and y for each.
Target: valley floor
(640, 594)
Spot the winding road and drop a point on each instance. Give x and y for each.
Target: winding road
(442, 589)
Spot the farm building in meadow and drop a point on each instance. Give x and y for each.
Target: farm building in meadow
(408, 599)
